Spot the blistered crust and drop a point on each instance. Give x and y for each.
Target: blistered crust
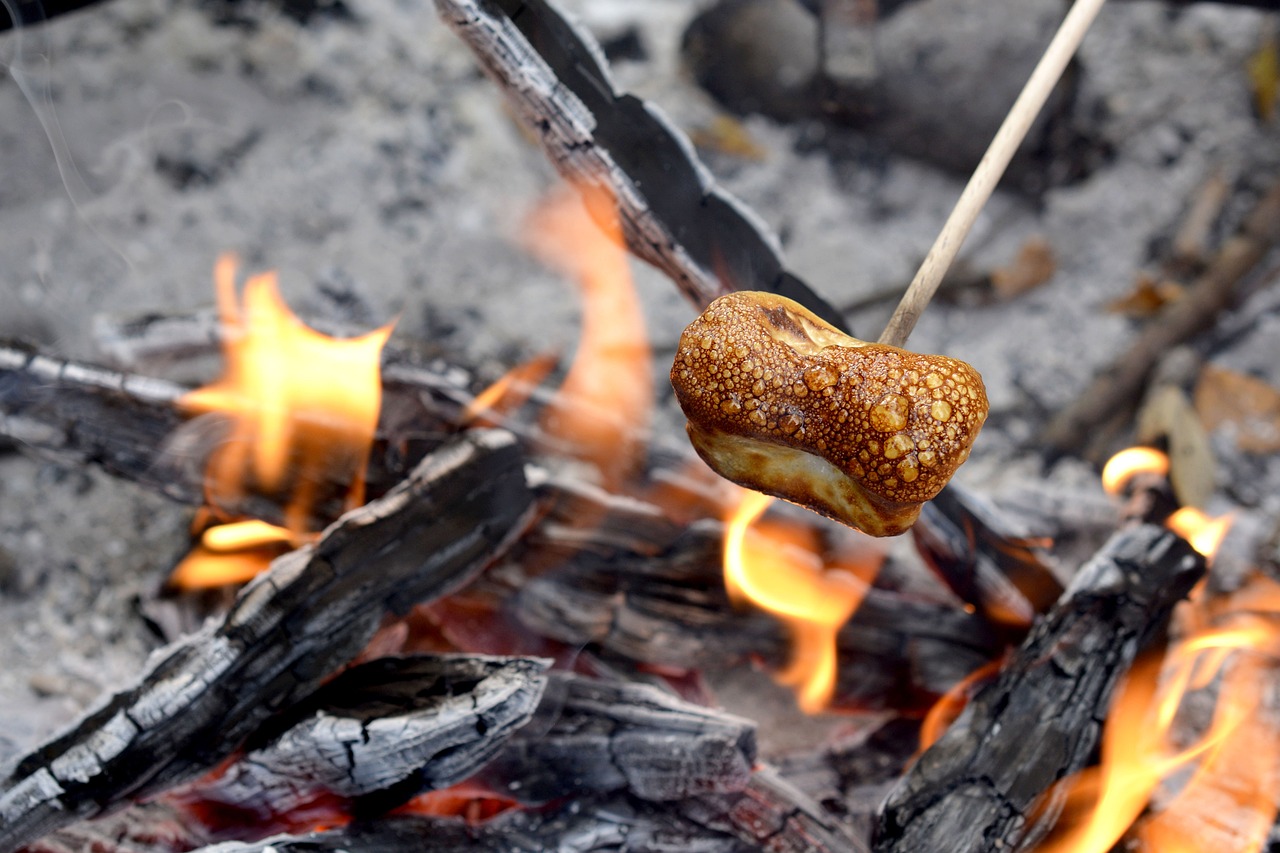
(762, 369)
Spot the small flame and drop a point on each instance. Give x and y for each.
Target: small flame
(607, 397)
(1204, 533)
(511, 391)
(776, 568)
(1137, 755)
(1131, 461)
(303, 409)
(948, 707)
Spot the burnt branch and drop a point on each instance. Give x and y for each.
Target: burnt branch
(132, 427)
(1040, 720)
(645, 589)
(580, 826)
(1120, 384)
(598, 737)
(673, 216)
(380, 733)
(289, 628)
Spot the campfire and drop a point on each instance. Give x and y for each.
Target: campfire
(424, 609)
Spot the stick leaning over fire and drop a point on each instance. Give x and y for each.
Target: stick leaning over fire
(311, 613)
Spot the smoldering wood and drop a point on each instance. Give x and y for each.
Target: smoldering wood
(773, 815)
(379, 734)
(985, 559)
(591, 736)
(673, 215)
(650, 590)
(1114, 391)
(1040, 720)
(851, 775)
(609, 825)
(150, 827)
(132, 427)
(316, 607)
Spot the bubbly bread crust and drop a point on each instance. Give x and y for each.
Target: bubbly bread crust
(765, 383)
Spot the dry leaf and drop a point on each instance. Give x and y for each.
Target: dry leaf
(1148, 296)
(1252, 406)
(1167, 414)
(1034, 265)
(1264, 75)
(728, 136)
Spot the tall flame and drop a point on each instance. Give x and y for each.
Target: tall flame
(1238, 757)
(777, 569)
(303, 409)
(607, 397)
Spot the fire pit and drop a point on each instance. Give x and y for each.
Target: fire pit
(500, 620)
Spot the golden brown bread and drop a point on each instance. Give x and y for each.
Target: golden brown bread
(780, 401)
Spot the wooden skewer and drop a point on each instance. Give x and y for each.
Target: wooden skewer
(985, 177)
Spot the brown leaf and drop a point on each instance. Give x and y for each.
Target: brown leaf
(1251, 405)
(1147, 297)
(1167, 414)
(1033, 266)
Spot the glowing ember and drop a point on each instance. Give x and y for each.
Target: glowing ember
(1133, 460)
(777, 569)
(605, 402)
(303, 409)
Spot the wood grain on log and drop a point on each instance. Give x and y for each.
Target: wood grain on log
(596, 737)
(289, 628)
(672, 213)
(1040, 720)
(380, 733)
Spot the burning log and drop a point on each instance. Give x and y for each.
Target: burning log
(673, 216)
(1040, 719)
(311, 613)
(648, 590)
(131, 426)
(378, 734)
(598, 737)
(616, 825)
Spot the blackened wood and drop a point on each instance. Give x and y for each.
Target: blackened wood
(1040, 719)
(380, 733)
(673, 215)
(774, 816)
(309, 614)
(615, 825)
(594, 737)
(132, 427)
(985, 560)
(652, 591)
(151, 827)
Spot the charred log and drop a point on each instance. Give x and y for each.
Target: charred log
(580, 826)
(1040, 720)
(772, 815)
(673, 215)
(132, 427)
(378, 734)
(309, 614)
(652, 591)
(597, 737)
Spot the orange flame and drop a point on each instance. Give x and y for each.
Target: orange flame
(303, 409)
(511, 391)
(1137, 755)
(776, 568)
(1129, 462)
(948, 707)
(605, 402)
(1203, 532)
